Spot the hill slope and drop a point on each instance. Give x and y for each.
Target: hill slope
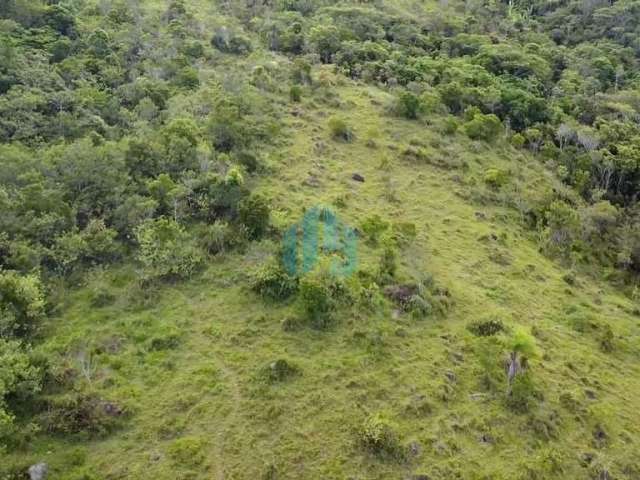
(204, 377)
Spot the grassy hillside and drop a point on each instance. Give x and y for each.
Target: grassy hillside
(185, 362)
(199, 376)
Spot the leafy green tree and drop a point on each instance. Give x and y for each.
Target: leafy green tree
(22, 303)
(254, 213)
(166, 250)
(408, 105)
(18, 378)
(483, 127)
(562, 228)
(325, 39)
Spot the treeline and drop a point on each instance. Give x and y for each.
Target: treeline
(113, 146)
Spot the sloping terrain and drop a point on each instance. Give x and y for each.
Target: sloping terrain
(207, 375)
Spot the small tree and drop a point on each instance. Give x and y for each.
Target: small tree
(521, 346)
(17, 377)
(166, 250)
(340, 130)
(22, 303)
(483, 127)
(408, 105)
(254, 214)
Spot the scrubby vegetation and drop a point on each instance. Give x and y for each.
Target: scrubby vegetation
(233, 233)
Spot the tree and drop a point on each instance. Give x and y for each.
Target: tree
(254, 214)
(22, 303)
(166, 250)
(18, 377)
(483, 127)
(521, 346)
(325, 40)
(408, 105)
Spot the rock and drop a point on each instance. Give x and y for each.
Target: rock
(415, 448)
(38, 471)
(478, 397)
(486, 438)
(357, 177)
(450, 376)
(112, 409)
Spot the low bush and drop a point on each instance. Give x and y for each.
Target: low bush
(22, 303)
(215, 238)
(494, 177)
(450, 126)
(606, 339)
(486, 328)
(273, 282)
(279, 371)
(79, 412)
(523, 393)
(378, 436)
(166, 250)
(19, 378)
(229, 41)
(254, 213)
(403, 233)
(408, 105)
(483, 127)
(295, 93)
(373, 227)
(340, 130)
(187, 451)
(388, 264)
(320, 295)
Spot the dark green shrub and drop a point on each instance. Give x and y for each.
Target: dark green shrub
(378, 436)
(451, 125)
(254, 213)
(167, 341)
(20, 378)
(486, 328)
(22, 302)
(279, 371)
(373, 227)
(388, 263)
(188, 78)
(78, 412)
(320, 295)
(273, 282)
(408, 105)
(102, 298)
(295, 93)
(215, 238)
(607, 339)
(404, 233)
(340, 130)
(166, 250)
(483, 127)
(494, 177)
(228, 41)
(523, 393)
(187, 451)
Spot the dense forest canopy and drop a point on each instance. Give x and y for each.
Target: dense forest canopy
(131, 131)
